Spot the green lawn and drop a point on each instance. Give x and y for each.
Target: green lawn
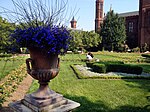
(106, 56)
(9, 64)
(97, 95)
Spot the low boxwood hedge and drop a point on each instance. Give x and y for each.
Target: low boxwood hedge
(100, 68)
(104, 67)
(90, 64)
(5, 55)
(124, 68)
(146, 55)
(80, 75)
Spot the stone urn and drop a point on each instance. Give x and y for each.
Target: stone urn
(43, 67)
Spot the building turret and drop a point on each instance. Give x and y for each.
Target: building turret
(99, 15)
(73, 23)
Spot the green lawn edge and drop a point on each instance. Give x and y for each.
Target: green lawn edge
(80, 75)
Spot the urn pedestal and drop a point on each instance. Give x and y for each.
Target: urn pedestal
(43, 68)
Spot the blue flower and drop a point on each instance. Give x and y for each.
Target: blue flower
(52, 39)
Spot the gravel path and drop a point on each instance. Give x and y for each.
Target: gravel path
(88, 72)
(18, 94)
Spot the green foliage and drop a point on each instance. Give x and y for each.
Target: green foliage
(76, 41)
(5, 29)
(103, 67)
(145, 55)
(125, 68)
(9, 84)
(110, 62)
(144, 48)
(137, 49)
(114, 66)
(5, 55)
(84, 40)
(113, 31)
(99, 68)
(90, 39)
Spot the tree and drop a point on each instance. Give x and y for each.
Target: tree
(84, 40)
(5, 29)
(91, 39)
(113, 31)
(76, 41)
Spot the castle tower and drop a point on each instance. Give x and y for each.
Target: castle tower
(144, 22)
(73, 23)
(99, 14)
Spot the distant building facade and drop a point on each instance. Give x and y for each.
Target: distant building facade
(137, 24)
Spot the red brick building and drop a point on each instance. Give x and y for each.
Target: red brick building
(137, 24)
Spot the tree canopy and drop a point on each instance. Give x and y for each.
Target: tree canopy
(5, 29)
(113, 31)
(84, 40)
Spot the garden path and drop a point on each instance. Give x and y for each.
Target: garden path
(18, 94)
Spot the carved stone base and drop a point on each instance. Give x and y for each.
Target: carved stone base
(57, 105)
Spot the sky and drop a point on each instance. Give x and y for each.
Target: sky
(85, 10)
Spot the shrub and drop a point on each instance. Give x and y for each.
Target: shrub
(110, 62)
(125, 68)
(5, 55)
(146, 55)
(89, 64)
(100, 68)
(137, 49)
(103, 67)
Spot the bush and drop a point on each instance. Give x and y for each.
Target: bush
(115, 67)
(125, 68)
(146, 55)
(89, 64)
(110, 62)
(5, 55)
(137, 49)
(100, 68)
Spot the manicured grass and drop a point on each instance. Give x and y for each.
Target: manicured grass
(96, 95)
(9, 64)
(107, 56)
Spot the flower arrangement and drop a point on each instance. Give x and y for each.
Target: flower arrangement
(40, 24)
(52, 39)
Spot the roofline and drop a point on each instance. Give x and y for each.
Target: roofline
(127, 14)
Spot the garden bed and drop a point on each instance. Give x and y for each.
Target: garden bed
(10, 83)
(84, 72)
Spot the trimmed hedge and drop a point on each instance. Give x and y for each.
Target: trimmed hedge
(104, 67)
(124, 68)
(146, 55)
(100, 68)
(5, 55)
(80, 75)
(90, 64)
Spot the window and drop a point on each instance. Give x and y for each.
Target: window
(101, 6)
(130, 26)
(101, 15)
